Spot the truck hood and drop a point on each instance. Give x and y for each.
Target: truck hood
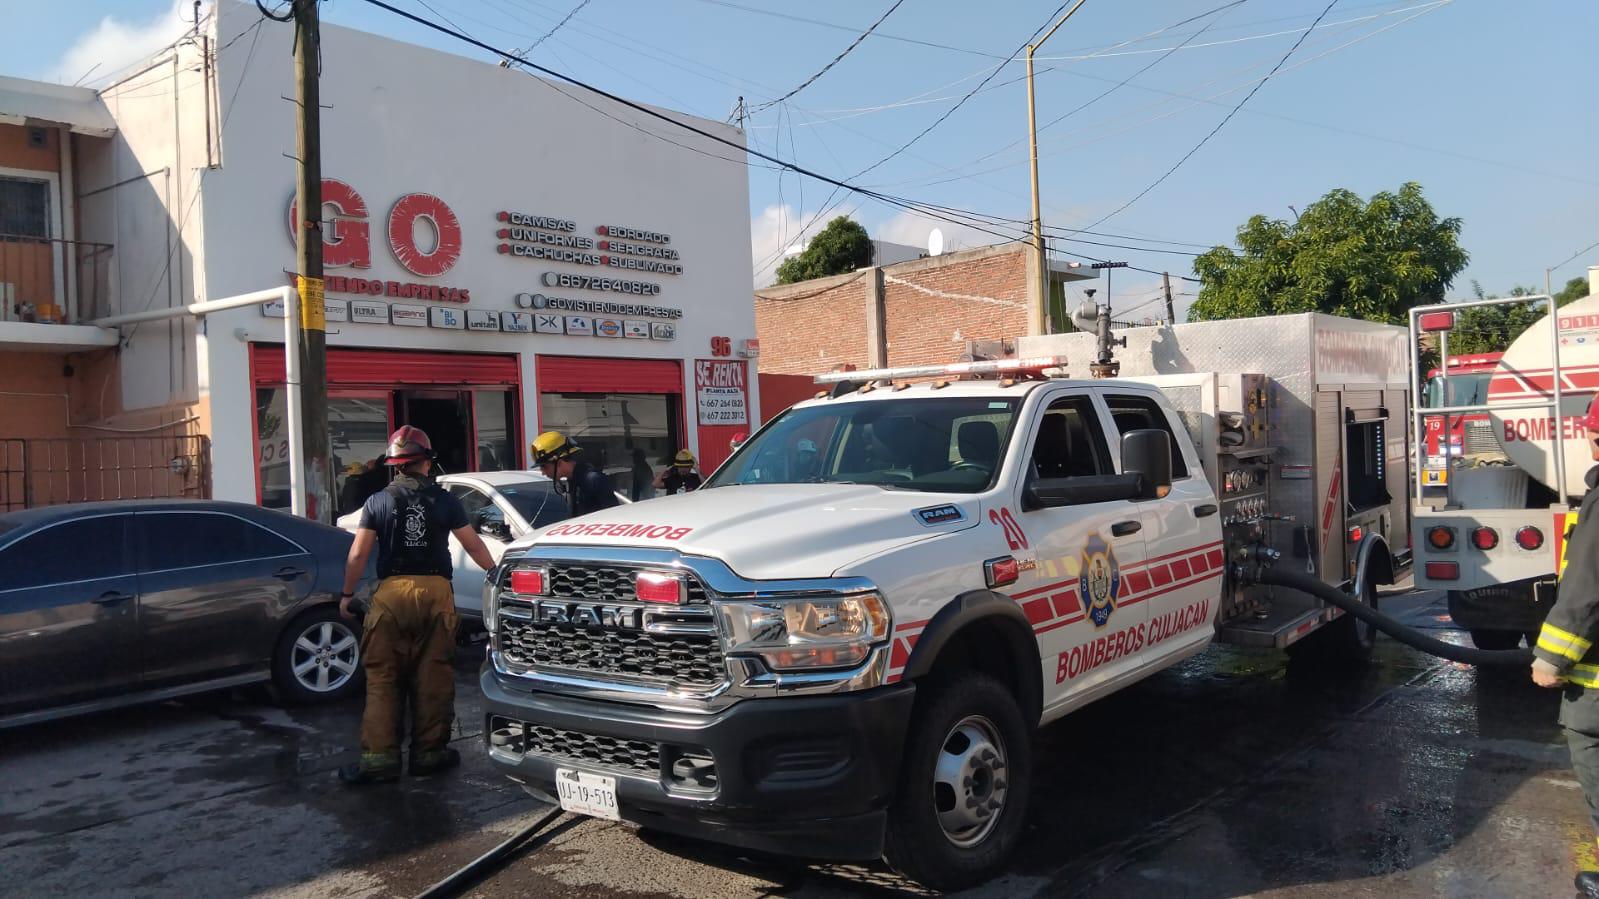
(771, 531)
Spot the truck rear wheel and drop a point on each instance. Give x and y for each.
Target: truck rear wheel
(962, 798)
(1347, 640)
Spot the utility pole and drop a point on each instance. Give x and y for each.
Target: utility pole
(308, 263)
(1040, 255)
(1165, 283)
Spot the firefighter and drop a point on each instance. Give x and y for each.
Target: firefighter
(588, 488)
(409, 635)
(680, 476)
(1564, 656)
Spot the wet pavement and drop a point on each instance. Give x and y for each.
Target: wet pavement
(1237, 773)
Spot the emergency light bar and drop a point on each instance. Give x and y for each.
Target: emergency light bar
(953, 369)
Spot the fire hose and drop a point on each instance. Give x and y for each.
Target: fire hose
(458, 882)
(1486, 658)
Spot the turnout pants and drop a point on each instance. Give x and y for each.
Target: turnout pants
(407, 646)
(1579, 714)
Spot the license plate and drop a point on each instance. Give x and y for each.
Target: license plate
(587, 794)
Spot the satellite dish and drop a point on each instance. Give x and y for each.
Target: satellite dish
(935, 242)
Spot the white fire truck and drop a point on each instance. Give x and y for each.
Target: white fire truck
(1494, 542)
(839, 646)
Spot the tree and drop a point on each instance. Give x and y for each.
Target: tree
(1490, 329)
(843, 246)
(1575, 289)
(1360, 259)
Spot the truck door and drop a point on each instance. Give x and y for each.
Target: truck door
(1089, 621)
(1182, 578)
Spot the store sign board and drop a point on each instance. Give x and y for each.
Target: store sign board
(517, 322)
(369, 312)
(548, 323)
(580, 326)
(607, 327)
(408, 316)
(333, 310)
(482, 320)
(723, 397)
(636, 329)
(445, 317)
(663, 331)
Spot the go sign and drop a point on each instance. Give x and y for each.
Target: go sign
(347, 237)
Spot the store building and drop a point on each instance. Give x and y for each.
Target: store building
(503, 255)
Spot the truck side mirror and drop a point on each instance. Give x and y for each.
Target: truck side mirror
(1147, 453)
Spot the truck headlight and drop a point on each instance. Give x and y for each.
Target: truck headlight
(806, 632)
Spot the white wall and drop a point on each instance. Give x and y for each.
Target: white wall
(405, 119)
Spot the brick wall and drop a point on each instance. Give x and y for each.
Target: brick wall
(931, 307)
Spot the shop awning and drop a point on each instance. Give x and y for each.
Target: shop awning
(40, 104)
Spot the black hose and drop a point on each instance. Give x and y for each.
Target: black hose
(459, 881)
(1487, 658)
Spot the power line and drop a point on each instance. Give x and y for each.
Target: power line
(1219, 125)
(834, 61)
(546, 35)
(836, 26)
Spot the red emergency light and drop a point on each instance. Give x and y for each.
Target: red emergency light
(1529, 538)
(1443, 571)
(1484, 538)
(1001, 571)
(529, 581)
(659, 587)
(1436, 321)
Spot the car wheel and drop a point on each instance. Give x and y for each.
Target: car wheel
(318, 657)
(962, 798)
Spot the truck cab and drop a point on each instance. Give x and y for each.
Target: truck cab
(839, 646)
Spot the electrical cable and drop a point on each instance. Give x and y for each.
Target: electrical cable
(1219, 125)
(835, 60)
(558, 25)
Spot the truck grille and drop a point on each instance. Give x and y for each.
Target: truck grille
(635, 756)
(678, 646)
(1480, 438)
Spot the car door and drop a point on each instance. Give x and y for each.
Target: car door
(68, 613)
(212, 587)
(1080, 593)
(1180, 533)
(466, 578)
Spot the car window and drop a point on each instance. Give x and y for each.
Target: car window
(537, 502)
(188, 539)
(1070, 441)
(80, 550)
(472, 499)
(1132, 412)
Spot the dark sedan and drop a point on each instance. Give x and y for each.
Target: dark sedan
(109, 604)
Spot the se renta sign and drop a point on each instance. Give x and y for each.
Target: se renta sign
(720, 386)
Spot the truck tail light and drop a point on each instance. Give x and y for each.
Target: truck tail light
(1356, 534)
(1436, 321)
(656, 587)
(1484, 538)
(1443, 571)
(1001, 571)
(529, 581)
(1529, 538)
(1440, 537)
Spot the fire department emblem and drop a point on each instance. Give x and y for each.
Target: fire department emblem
(1099, 580)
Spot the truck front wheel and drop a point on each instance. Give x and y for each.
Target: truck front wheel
(962, 798)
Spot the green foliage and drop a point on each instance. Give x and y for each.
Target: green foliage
(843, 246)
(1491, 329)
(1370, 260)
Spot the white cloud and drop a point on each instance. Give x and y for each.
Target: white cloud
(912, 229)
(115, 43)
(777, 229)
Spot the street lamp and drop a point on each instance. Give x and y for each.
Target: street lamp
(1041, 289)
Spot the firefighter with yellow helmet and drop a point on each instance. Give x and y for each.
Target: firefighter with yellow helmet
(588, 489)
(680, 476)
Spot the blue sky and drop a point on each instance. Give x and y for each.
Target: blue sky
(1488, 105)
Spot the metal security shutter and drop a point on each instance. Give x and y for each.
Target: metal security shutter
(387, 368)
(578, 374)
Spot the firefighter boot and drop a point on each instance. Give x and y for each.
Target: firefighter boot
(1588, 884)
(372, 769)
(425, 763)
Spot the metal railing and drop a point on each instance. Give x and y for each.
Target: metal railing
(46, 279)
(47, 471)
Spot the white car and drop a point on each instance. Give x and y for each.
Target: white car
(501, 506)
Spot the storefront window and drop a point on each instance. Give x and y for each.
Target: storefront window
(630, 435)
(496, 449)
(272, 446)
(359, 429)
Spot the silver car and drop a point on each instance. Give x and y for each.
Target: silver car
(110, 604)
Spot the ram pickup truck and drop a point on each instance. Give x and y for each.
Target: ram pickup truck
(840, 646)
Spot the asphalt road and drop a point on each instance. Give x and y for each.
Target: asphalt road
(1234, 774)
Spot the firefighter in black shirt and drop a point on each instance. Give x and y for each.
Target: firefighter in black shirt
(588, 488)
(409, 636)
(681, 476)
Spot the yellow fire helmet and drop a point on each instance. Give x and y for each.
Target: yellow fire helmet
(551, 446)
(684, 459)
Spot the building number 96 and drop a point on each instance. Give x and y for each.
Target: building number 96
(721, 346)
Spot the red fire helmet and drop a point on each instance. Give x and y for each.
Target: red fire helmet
(408, 444)
(1591, 420)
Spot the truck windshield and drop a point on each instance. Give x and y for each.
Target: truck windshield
(1464, 390)
(938, 445)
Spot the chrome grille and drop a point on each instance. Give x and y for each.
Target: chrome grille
(1480, 438)
(677, 646)
(636, 756)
